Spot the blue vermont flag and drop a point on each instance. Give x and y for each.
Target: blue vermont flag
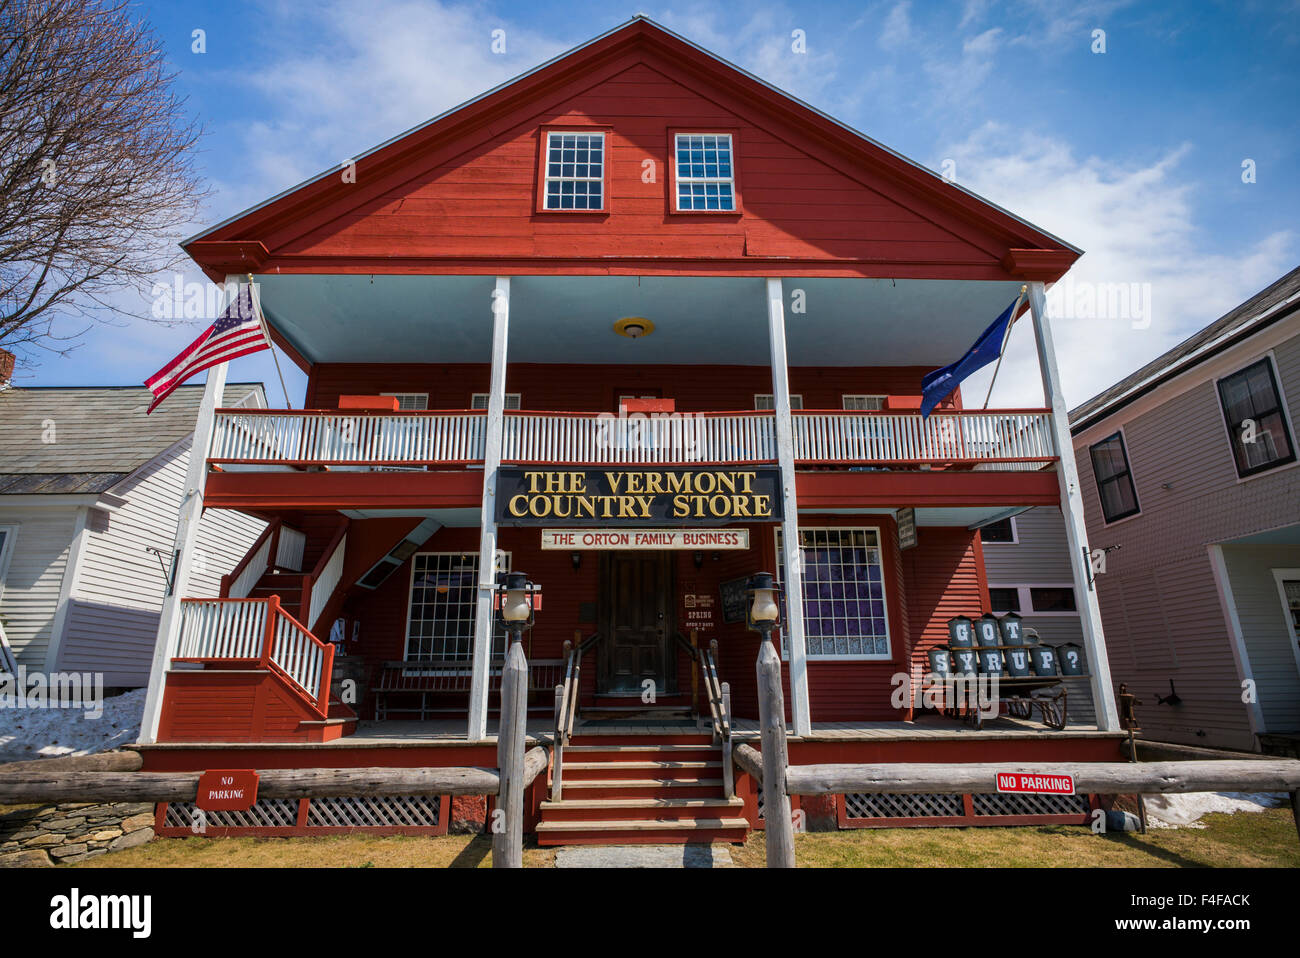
(938, 385)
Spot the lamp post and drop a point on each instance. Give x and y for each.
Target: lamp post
(761, 614)
(516, 599)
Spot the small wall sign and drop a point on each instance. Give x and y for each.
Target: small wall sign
(697, 611)
(733, 600)
(227, 790)
(1040, 783)
(714, 539)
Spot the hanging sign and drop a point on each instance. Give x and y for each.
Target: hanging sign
(718, 539)
(227, 790)
(1040, 783)
(906, 520)
(621, 497)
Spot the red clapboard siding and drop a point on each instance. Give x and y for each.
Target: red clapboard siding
(573, 388)
(945, 578)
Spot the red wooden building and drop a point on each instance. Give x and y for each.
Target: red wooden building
(634, 291)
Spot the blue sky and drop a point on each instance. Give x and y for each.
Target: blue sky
(1134, 154)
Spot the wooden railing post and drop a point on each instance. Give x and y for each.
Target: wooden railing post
(779, 826)
(268, 643)
(728, 766)
(557, 773)
(508, 826)
(326, 678)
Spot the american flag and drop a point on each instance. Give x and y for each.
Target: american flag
(238, 331)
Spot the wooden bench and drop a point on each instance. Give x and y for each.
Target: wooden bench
(425, 678)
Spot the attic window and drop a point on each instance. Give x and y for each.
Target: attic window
(575, 171)
(705, 174)
(480, 401)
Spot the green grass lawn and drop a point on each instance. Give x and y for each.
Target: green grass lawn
(1265, 839)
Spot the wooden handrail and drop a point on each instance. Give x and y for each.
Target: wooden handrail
(566, 704)
(271, 531)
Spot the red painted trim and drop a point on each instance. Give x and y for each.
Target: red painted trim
(274, 491)
(826, 490)
(981, 573)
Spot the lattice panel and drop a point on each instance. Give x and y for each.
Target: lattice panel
(860, 805)
(375, 811)
(1007, 804)
(760, 804)
(265, 813)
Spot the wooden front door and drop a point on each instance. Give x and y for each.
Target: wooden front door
(636, 621)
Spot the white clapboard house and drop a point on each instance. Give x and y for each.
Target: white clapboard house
(89, 492)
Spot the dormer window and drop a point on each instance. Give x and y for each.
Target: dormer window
(575, 171)
(705, 173)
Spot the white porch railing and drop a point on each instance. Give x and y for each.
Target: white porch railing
(253, 569)
(334, 438)
(324, 584)
(606, 439)
(288, 553)
(224, 630)
(967, 436)
(343, 439)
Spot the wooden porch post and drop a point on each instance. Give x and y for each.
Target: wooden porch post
(792, 567)
(187, 527)
(1076, 530)
(508, 826)
(487, 547)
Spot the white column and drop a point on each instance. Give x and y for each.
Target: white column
(487, 546)
(187, 527)
(1076, 530)
(792, 567)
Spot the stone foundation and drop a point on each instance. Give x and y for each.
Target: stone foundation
(72, 832)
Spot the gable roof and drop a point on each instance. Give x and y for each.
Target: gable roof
(100, 433)
(240, 244)
(1269, 306)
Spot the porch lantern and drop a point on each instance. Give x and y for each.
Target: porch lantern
(515, 602)
(762, 610)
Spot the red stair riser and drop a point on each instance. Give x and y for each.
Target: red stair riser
(641, 813)
(635, 837)
(652, 790)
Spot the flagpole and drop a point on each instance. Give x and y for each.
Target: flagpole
(266, 331)
(1006, 337)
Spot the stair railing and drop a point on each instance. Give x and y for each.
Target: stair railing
(718, 694)
(566, 705)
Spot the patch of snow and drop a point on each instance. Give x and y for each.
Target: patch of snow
(1184, 809)
(49, 733)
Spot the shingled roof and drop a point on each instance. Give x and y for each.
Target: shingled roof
(100, 434)
(1266, 307)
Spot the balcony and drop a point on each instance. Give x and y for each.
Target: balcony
(279, 440)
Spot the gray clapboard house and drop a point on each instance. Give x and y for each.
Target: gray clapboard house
(1026, 560)
(88, 484)
(1191, 486)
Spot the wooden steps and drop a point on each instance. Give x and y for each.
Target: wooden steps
(642, 791)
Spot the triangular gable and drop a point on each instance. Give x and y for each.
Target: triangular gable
(459, 194)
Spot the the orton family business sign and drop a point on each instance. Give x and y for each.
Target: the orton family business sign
(637, 497)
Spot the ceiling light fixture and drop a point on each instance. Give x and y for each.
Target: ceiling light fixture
(634, 327)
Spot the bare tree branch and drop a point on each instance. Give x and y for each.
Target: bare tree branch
(97, 175)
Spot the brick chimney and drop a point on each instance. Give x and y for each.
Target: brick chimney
(6, 368)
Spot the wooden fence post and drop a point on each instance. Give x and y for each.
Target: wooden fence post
(728, 763)
(779, 826)
(508, 827)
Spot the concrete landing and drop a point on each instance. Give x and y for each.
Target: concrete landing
(643, 856)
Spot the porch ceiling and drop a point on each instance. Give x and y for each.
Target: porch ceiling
(569, 319)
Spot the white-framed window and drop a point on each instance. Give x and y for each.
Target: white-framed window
(410, 402)
(863, 403)
(8, 535)
(575, 171)
(1002, 532)
(1288, 590)
(480, 401)
(443, 605)
(767, 401)
(1256, 418)
(845, 612)
(1028, 600)
(1114, 476)
(705, 172)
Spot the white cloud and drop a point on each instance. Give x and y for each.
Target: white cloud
(898, 26)
(1137, 224)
